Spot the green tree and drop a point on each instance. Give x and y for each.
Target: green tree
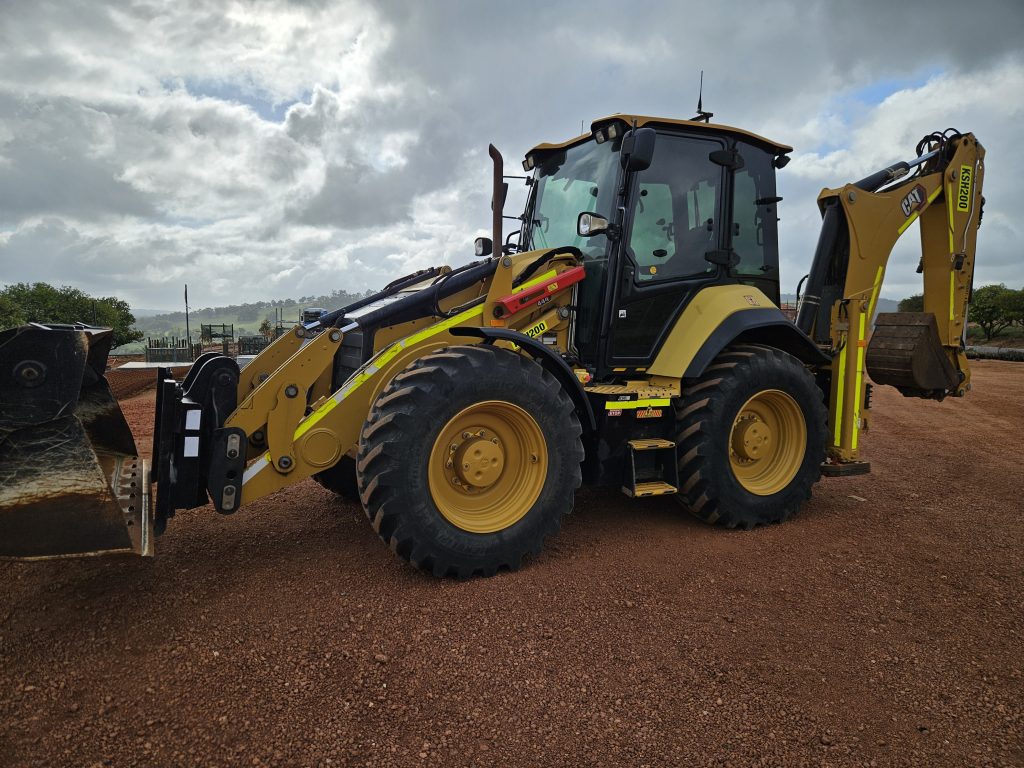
(10, 313)
(1012, 304)
(913, 303)
(266, 328)
(988, 311)
(42, 303)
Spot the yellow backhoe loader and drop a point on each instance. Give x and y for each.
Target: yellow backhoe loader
(628, 335)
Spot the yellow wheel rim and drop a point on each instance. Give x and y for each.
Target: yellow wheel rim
(488, 466)
(767, 442)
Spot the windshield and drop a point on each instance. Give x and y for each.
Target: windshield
(568, 183)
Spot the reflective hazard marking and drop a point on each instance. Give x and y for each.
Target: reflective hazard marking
(613, 405)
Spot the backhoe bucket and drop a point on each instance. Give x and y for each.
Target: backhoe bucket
(905, 352)
(71, 481)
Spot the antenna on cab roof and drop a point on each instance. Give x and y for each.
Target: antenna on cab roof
(701, 114)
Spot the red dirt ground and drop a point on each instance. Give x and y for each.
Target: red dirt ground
(881, 626)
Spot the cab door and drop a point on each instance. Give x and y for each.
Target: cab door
(675, 215)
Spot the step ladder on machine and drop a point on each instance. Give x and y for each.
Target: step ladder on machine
(651, 468)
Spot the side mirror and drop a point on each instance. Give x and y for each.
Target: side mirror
(482, 246)
(638, 149)
(589, 224)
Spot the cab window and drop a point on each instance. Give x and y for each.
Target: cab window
(755, 216)
(676, 209)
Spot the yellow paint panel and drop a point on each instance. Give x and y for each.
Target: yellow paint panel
(702, 316)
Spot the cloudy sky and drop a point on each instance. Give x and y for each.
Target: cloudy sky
(274, 149)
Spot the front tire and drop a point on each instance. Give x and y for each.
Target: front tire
(468, 460)
(751, 439)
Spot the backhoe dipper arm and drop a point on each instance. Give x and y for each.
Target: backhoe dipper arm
(921, 354)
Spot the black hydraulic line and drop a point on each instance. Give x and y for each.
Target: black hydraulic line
(389, 290)
(879, 179)
(823, 254)
(799, 286)
(429, 297)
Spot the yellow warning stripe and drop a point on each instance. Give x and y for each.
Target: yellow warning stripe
(626, 405)
(549, 275)
(859, 382)
(840, 377)
(377, 363)
(949, 198)
(874, 292)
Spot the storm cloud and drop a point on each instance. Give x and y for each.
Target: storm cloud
(270, 149)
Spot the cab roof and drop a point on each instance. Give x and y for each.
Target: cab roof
(655, 122)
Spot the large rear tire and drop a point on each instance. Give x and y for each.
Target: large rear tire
(468, 461)
(751, 439)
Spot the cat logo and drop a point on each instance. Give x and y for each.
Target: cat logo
(914, 201)
(963, 197)
(751, 301)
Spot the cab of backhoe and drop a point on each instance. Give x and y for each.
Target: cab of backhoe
(687, 204)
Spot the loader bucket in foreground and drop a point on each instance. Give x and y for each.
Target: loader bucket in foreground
(71, 481)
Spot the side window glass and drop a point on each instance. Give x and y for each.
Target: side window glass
(754, 211)
(652, 239)
(748, 233)
(701, 207)
(676, 210)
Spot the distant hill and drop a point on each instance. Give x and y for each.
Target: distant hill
(246, 318)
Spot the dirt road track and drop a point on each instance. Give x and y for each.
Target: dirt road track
(882, 626)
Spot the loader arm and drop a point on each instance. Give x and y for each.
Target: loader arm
(922, 354)
(291, 422)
